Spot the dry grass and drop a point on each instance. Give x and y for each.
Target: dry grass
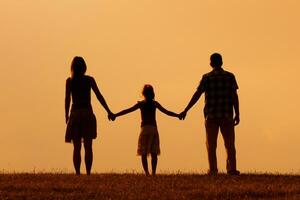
(136, 186)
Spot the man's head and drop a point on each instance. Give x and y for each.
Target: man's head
(216, 60)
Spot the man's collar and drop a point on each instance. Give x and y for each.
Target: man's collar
(218, 69)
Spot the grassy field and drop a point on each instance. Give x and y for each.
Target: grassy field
(137, 186)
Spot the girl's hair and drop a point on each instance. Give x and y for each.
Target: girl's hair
(148, 92)
(78, 66)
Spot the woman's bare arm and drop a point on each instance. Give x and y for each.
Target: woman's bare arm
(167, 112)
(67, 100)
(126, 111)
(100, 97)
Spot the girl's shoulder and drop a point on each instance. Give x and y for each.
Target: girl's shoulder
(156, 104)
(140, 103)
(144, 102)
(84, 77)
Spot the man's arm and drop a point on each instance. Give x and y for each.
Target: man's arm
(192, 102)
(236, 108)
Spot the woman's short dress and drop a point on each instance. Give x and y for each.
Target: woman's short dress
(148, 141)
(82, 125)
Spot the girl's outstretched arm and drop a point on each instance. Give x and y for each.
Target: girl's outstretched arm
(67, 99)
(100, 97)
(129, 110)
(167, 112)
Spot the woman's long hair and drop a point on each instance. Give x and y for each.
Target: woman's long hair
(78, 67)
(148, 92)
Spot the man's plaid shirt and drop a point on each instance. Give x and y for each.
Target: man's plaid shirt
(219, 87)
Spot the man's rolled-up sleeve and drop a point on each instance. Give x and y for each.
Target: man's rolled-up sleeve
(202, 84)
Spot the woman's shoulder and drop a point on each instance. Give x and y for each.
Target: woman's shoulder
(68, 80)
(88, 77)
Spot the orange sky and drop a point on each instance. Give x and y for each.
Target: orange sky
(167, 44)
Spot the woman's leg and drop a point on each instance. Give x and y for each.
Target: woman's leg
(88, 155)
(145, 164)
(153, 163)
(76, 156)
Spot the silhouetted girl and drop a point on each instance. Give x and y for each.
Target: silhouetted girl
(81, 124)
(149, 138)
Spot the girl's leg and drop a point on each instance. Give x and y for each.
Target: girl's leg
(145, 164)
(76, 156)
(153, 163)
(88, 155)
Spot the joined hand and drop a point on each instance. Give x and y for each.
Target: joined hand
(182, 115)
(111, 116)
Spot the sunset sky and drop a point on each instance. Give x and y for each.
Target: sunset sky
(127, 43)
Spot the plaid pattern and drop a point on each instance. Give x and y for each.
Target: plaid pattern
(218, 86)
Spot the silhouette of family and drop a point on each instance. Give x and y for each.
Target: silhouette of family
(221, 111)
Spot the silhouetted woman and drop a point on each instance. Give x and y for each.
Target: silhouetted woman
(149, 139)
(81, 124)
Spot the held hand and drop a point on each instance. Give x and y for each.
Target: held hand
(111, 116)
(182, 115)
(236, 120)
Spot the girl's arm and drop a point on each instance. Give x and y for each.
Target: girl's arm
(129, 110)
(67, 99)
(167, 112)
(100, 97)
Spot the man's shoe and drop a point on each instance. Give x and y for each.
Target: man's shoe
(233, 173)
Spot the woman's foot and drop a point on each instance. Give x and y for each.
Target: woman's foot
(233, 172)
(212, 172)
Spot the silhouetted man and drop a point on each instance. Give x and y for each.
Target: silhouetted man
(221, 111)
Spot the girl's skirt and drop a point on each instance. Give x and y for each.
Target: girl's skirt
(82, 124)
(148, 141)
